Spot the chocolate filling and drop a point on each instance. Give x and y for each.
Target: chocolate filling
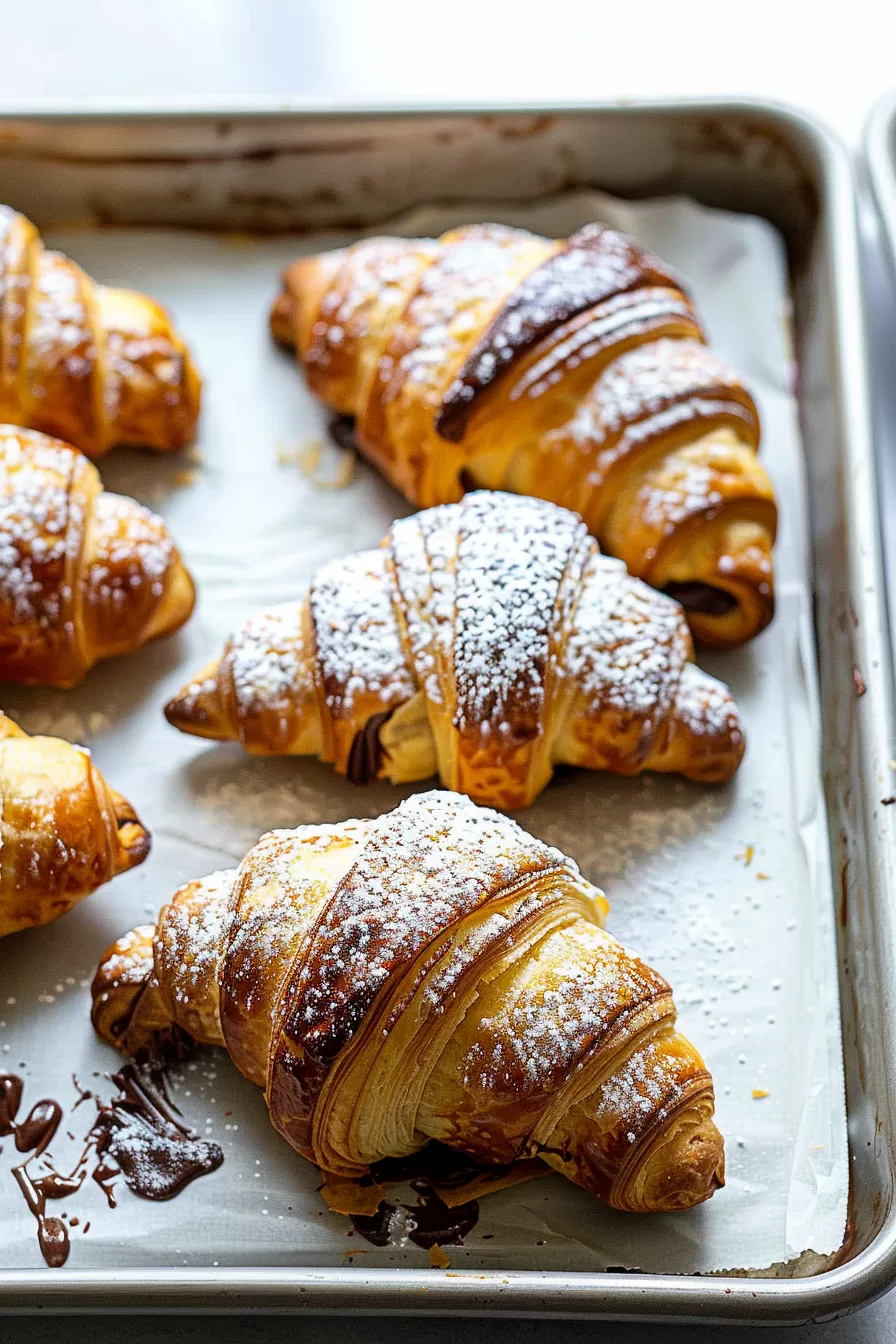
(366, 755)
(342, 431)
(701, 597)
(427, 1222)
(595, 264)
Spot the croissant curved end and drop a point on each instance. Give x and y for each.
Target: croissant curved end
(134, 840)
(197, 708)
(120, 980)
(282, 322)
(178, 604)
(689, 1175)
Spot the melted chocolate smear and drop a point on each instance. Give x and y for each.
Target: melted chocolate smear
(137, 1135)
(156, 1153)
(701, 597)
(429, 1222)
(342, 432)
(366, 755)
(595, 264)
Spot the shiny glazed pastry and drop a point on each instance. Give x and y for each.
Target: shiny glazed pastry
(93, 365)
(84, 574)
(574, 370)
(485, 641)
(435, 974)
(63, 830)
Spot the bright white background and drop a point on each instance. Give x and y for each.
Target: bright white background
(398, 50)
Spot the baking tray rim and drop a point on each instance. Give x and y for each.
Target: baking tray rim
(720, 1299)
(876, 141)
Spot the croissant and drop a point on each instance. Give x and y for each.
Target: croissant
(435, 974)
(574, 370)
(486, 641)
(89, 364)
(63, 830)
(83, 574)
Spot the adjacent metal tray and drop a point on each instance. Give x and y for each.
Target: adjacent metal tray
(258, 168)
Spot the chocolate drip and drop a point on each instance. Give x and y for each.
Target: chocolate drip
(701, 597)
(366, 755)
(342, 432)
(33, 1136)
(595, 264)
(428, 1222)
(137, 1135)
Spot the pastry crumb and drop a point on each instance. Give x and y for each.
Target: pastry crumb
(316, 463)
(437, 1258)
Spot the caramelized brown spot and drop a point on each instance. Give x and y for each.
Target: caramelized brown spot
(595, 264)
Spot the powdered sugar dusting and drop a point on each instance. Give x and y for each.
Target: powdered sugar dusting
(41, 530)
(629, 645)
(425, 865)
(561, 1002)
(266, 659)
(358, 642)
(512, 557)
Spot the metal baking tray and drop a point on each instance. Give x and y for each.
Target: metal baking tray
(880, 289)
(880, 156)
(267, 168)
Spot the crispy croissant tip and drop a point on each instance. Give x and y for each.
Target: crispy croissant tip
(134, 839)
(693, 1175)
(195, 708)
(179, 603)
(183, 711)
(281, 320)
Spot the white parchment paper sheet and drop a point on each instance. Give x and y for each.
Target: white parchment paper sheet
(727, 891)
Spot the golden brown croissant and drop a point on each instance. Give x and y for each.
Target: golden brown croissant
(92, 365)
(486, 641)
(574, 370)
(63, 831)
(83, 574)
(435, 974)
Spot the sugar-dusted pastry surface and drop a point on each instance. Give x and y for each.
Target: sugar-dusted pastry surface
(84, 574)
(435, 974)
(91, 365)
(574, 370)
(486, 641)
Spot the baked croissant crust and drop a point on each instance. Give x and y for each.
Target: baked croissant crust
(435, 974)
(63, 830)
(574, 370)
(92, 365)
(485, 641)
(84, 574)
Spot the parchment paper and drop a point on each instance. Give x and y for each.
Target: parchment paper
(726, 891)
